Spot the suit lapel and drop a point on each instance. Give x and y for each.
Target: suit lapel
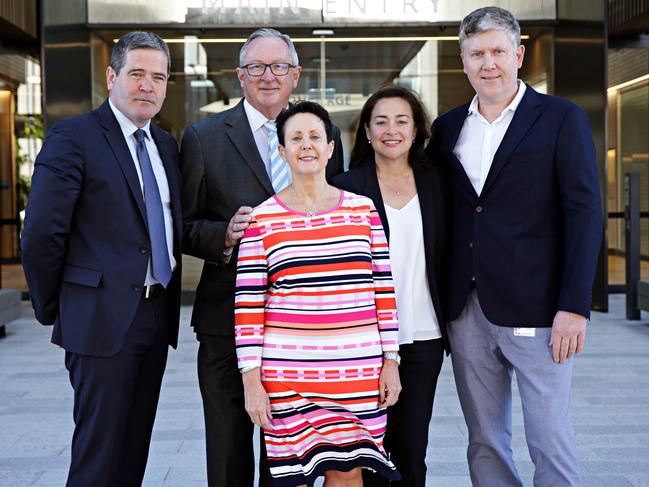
(171, 170)
(526, 114)
(454, 128)
(241, 136)
(115, 138)
(371, 184)
(425, 192)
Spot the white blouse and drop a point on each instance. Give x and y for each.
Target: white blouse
(415, 309)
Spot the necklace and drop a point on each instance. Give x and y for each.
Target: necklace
(391, 187)
(310, 212)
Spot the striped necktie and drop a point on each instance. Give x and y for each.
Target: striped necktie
(280, 173)
(160, 264)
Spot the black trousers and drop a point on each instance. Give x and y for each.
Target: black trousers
(406, 437)
(228, 429)
(115, 402)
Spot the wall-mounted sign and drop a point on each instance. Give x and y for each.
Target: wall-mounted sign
(301, 12)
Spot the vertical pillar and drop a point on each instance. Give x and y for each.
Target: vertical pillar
(632, 242)
(581, 40)
(66, 60)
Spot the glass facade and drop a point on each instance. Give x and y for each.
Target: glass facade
(340, 71)
(21, 133)
(628, 129)
(628, 104)
(346, 48)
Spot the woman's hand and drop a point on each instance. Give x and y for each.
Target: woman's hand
(257, 402)
(389, 384)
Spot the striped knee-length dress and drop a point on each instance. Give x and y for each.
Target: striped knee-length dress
(315, 309)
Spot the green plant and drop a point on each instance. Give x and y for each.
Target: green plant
(32, 129)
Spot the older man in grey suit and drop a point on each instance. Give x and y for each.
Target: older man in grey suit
(230, 164)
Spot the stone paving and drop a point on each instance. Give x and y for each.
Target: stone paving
(610, 412)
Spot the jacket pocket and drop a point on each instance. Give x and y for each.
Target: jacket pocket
(81, 275)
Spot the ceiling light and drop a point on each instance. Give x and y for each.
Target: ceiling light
(299, 40)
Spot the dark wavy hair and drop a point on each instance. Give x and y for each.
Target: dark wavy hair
(303, 106)
(362, 152)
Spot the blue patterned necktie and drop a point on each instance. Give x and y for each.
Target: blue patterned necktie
(280, 173)
(161, 265)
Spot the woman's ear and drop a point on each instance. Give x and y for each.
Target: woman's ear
(282, 152)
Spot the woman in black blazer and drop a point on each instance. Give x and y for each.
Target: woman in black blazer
(387, 164)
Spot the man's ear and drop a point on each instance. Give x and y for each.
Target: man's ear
(110, 77)
(520, 54)
(296, 75)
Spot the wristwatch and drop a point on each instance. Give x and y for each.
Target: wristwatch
(245, 370)
(392, 356)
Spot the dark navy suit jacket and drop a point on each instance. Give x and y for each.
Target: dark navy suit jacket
(85, 244)
(532, 237)
(430, 189)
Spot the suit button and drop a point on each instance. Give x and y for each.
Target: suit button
(470, 245)
(137, 288)
(478, 209)
(144, 250)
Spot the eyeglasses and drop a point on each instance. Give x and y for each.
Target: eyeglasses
(258, 69)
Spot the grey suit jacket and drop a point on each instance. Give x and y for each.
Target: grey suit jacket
(222, 171)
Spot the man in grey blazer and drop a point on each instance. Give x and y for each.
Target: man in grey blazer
(226, 164)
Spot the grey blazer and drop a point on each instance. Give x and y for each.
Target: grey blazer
(222, 171)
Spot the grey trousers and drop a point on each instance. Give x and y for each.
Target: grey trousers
(484, 357)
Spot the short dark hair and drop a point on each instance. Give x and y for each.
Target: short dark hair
(490, 18)
(362, 153)
(303, 106)
(137, 40)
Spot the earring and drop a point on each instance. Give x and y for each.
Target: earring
(369, 141)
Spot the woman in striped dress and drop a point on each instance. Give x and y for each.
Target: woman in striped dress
(315, 319)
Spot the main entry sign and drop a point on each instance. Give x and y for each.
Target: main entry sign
(301, 12)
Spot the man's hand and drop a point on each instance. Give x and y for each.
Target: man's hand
(238, 224)
(568, 335)
(389, 384)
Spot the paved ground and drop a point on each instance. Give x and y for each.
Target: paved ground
(610, 411)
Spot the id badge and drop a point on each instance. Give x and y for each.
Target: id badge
(525, 332)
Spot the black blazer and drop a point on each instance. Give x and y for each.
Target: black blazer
(222, 171)
(85, 245)
(532, 237)
(429, 181)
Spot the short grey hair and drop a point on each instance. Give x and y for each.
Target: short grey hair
(265, 32)
(490, 18)
(137, 40)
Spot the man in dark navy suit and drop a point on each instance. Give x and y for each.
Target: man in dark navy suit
(101, 252)
(525, 232)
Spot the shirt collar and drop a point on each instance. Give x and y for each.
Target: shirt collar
(255, 118)
(126, 125)
(513, 105)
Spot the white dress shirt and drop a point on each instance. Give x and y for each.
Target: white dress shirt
(257, 120)
(415, 310)
(128, 129)
(479, 140)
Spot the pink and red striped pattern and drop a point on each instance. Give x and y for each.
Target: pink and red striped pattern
(315, 309)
